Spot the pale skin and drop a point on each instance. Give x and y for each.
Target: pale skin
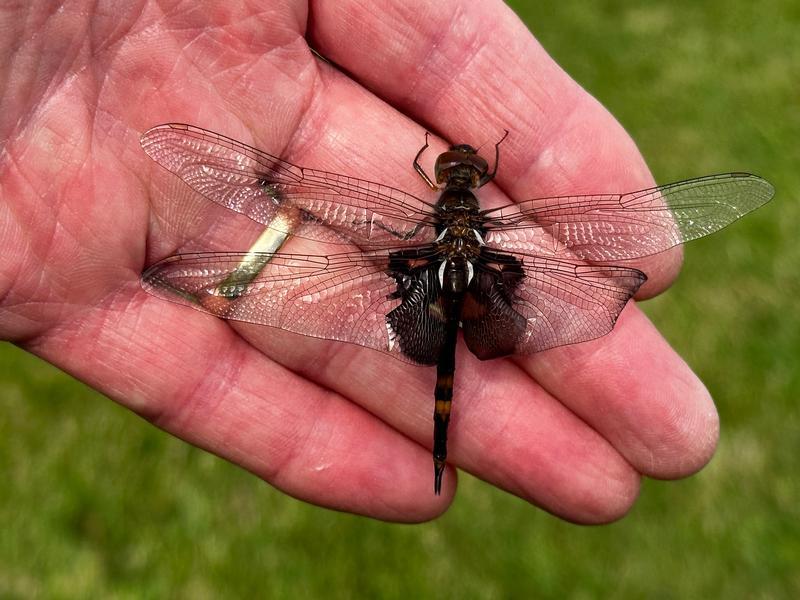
(84, 210)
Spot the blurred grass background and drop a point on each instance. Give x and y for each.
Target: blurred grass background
(95, 502)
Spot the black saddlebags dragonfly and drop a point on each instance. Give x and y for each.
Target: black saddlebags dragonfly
(515, 280)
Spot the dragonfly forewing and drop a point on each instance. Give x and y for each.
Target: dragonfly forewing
(610, 227)
(259, 186)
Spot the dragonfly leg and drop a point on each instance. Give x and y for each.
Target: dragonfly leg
(418, 168)
(488, 177)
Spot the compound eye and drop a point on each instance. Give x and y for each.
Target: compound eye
(446, 161)
(451, 158)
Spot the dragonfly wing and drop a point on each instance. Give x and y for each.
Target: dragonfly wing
(349, 297)
(612, 227)
(533, 303)
(282, 195)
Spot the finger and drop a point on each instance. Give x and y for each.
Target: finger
(194, 377)
(470, 70)
(638, 393)
(505, 429)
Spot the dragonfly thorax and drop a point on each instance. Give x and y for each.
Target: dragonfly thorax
(457, 201)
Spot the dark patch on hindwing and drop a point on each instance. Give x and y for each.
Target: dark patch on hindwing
(418, 323)
(491, 326)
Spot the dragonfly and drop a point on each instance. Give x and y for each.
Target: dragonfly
(413, 273)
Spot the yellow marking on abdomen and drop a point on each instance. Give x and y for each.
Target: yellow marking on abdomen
(443, 407)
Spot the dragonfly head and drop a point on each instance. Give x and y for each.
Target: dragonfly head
(460, 167)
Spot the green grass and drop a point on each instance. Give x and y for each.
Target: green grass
(98, 503)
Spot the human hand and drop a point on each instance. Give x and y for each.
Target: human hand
(84, 211)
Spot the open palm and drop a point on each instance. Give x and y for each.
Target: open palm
(83, 211)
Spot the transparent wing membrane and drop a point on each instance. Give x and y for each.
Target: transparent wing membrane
(259, 185)
(343, 297)
(626, 226)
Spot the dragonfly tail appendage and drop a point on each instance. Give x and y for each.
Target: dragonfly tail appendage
(441, 418)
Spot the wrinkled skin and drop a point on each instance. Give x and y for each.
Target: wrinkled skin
(84, 210)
